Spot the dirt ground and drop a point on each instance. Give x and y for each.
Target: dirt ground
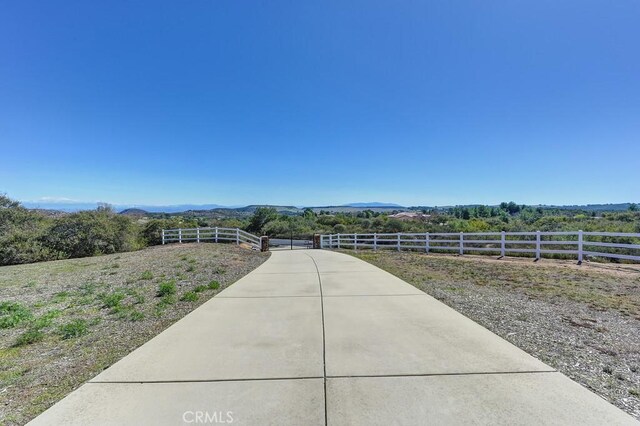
(63, 322)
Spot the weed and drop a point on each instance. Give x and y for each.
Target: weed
(200, 288)
(45, 320)
(635, 392)
(166, 300)
(167, 288)
(169, 299)
(146, 275)
(190, 268)
(87, 288)
(185, 257)
(75, 328)
(138, 299)
(61, 296)
(136, 316)
(219, 270)
(12, 314)
(112, 300)
(214, 285)
(115, 266)
(30, 336)
(189, 296)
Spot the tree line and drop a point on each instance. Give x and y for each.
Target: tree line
(31, 236)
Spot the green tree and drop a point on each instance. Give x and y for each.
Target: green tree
(260, 218)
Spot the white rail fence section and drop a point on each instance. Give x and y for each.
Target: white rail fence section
(216, 235)
(578, 245)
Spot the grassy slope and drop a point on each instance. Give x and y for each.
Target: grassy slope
(582, 320)
(85, 314)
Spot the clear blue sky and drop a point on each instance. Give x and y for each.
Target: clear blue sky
(313, 103)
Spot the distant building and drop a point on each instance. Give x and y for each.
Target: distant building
(409, 216)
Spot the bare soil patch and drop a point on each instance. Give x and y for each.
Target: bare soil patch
(582, 320)
(62, 322)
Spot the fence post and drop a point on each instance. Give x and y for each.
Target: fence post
(321, 241)
(179, 235)
(216, 234)
(426, 242)
(355, 241)
(461, 243)
(375, 242)
(538, 245)
(330, 241)
(398, 241)
(198, 235)
(502, 244)
(238, 236)
(338, 240)
(580, 253)
(163, 236)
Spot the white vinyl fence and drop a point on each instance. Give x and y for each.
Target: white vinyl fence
(569, 244)
(216, 235)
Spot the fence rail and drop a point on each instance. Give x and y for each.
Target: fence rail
(578, 244)
(216, 235)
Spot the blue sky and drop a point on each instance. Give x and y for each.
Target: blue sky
(315, 103)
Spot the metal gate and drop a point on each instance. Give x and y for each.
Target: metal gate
(291, 242)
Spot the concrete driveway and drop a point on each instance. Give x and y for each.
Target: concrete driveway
(313, 337)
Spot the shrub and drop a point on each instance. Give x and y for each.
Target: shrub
(89, 233)
(200, 288)
(214, 285)
(12, 314)
(189, 296)
(146, 275)
(167, 288)
(28, 337)
(75, 328)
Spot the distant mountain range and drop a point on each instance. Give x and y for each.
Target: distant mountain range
(373, 204)
(74, 207)
(222, 211)
(68, 206)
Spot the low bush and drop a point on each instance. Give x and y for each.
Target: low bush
(214, 285)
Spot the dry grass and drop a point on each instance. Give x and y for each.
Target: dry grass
(602, 287)
(582, 320)
(82, 315)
